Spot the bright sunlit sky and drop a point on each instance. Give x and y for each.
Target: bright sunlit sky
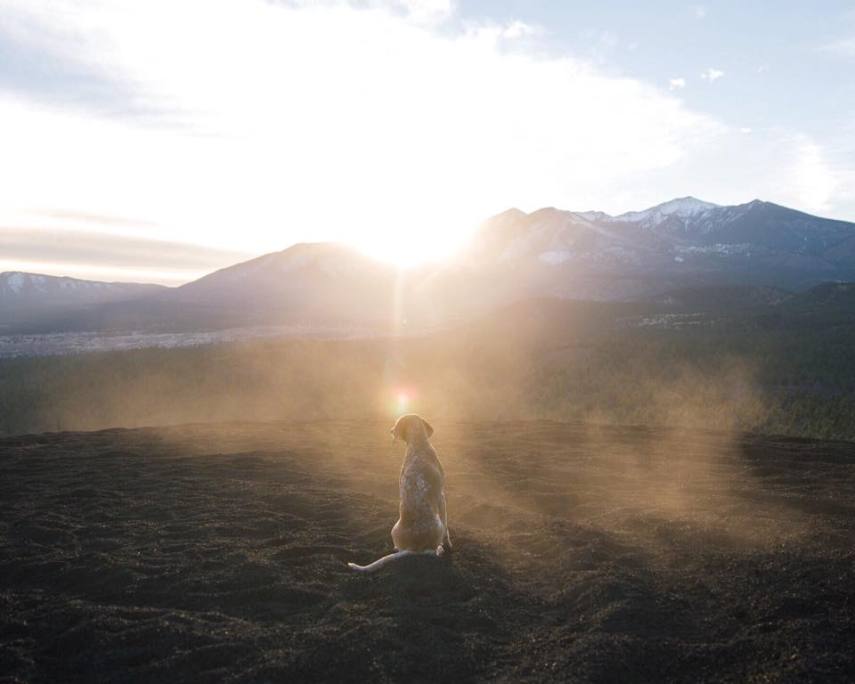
(158, 140)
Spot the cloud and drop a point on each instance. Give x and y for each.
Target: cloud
(91, 219)
(712, 74)
(42, 61)
(774, 164)
(812, 177)
(519, 29)
(431, 10)
(700, 11)
(514, 34)
(842, 48)
(323, 121)
(419, 11)
(90, 254)
(745, 130)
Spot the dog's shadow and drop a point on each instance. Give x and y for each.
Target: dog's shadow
(437, 617)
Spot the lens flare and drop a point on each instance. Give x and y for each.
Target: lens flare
(402, 401)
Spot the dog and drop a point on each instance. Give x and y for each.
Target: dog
(422, 526)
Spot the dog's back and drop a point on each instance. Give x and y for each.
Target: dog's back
(421, 491)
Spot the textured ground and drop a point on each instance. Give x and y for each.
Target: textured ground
(218, 553)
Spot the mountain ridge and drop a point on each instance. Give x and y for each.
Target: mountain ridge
(513, 256)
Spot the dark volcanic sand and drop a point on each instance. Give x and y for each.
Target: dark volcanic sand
(217, 553)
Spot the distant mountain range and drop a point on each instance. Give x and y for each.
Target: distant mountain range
(679, 243)
(682, 246)
(33, 301)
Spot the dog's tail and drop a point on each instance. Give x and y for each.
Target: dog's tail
(380, 562)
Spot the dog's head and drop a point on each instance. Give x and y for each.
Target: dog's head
(411, 427)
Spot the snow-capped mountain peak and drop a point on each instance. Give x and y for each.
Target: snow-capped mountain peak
(594, 215)
(682, 207)
(14, 281)
(684, 233)
(19, 289)
(20, 284)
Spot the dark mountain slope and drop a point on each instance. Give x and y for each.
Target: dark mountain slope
(31, 301)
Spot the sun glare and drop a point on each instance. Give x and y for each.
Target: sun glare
(399, 258)
(411, 246)
(402, 402)
(332, 153)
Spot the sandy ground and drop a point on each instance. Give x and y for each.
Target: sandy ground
(218, 553)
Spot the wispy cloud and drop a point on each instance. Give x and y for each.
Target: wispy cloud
(97, 255)
(519, 29)
(330, 122)
(700, 11)
(90, 218)
(435, 9)
(712, 74)
(843, 48)
(813, 178)
(43, 61)
(420, 10)
(779, 165)
(676, 83)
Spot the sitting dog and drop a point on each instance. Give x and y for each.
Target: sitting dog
(422, 526)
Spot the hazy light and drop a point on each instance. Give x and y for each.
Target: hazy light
(403, 402)
(102, 273)
(323, 122)
(396, 131)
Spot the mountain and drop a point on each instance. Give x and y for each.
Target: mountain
(35, 301)
(17, 288)
(285, 279)
(310, 287)
(681, 243)
(688, 252)
(308, 283)
(752, 250)
(721, 298)
(681, 211)
(825, 304)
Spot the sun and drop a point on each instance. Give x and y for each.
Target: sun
(402, 259)
(402, 256)
(410, 243)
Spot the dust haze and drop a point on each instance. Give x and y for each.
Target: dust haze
(615, 512)
(507, 369)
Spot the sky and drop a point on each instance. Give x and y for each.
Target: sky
(157, 141)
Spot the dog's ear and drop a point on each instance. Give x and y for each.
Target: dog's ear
(428, 427)
(399, 430)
